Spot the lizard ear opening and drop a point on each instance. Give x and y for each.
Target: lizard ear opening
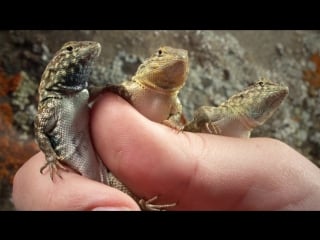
(159, 52)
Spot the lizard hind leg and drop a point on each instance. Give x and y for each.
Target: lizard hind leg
(147, 205)
(54, 167)
(212, 128)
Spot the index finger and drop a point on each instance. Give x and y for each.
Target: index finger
(35, 191)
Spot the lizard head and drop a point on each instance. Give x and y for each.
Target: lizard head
(260, 100)
(70, 68)
(166, 69)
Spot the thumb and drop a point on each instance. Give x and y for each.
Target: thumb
(197, 171)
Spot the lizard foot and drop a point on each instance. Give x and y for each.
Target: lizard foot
(147, 205)
(54, 167)
(172, 125)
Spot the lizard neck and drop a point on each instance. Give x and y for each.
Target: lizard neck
(247, 122)
(155, 88)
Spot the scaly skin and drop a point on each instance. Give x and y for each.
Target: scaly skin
(154, 89)
(62, 122)
(241, 113)
(61, 126)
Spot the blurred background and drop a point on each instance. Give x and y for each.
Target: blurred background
(221, 64)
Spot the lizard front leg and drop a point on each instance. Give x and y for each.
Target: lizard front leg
(175, 119)
(45, 123)
(206, 120)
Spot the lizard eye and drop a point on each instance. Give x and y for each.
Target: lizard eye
(261, 84)
(69, 48)
(159, 52)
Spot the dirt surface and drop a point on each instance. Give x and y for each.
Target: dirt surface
(221, 64)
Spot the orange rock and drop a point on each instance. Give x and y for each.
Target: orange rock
(313, 77)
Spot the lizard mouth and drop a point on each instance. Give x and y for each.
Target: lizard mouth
(90, 53)
(276, 99)
(266, 106)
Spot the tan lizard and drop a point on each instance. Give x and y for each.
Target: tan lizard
(153, 91)
(241, 113)
(154, 88)
(61, 125)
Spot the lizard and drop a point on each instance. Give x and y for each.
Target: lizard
(153, 91)
(64, 96)
(241, 113)
(154, 88)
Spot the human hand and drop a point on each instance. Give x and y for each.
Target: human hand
(198, 171)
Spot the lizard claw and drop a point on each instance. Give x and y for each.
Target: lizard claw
(147, 205)
(54, 167)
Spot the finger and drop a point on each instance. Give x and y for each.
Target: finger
(199, 171)
(123, 137)
(35, 191)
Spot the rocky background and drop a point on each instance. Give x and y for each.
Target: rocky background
(221, 64)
